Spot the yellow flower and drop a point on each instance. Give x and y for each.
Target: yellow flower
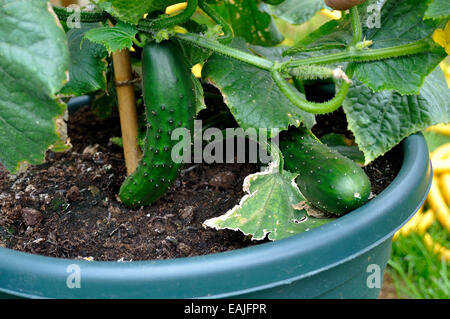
(442, 37)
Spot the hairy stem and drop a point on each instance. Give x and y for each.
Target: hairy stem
(365, 55)
(299, 49)
(356, 26)
(216, 47)
(311, 107)
(227, 36)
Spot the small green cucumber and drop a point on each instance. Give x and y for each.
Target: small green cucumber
(327, 179)
(169, 99)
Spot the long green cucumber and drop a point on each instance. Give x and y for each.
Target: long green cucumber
(169, 99)
(328, 180)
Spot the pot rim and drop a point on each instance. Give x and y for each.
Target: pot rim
(233, 272)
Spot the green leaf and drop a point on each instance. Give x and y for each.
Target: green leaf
(438, 9)
(250, 21)
(103, 105)
(340, 144)
(34, 59)
(332, 33)
(401, 23)
(114, 39)
(273, 205)
(193, 54)
(381, 120)
(132, 10)
(251, 95)
(297, 12)
(199, 94)
(104, 102)
(87, 71)
(390, 74)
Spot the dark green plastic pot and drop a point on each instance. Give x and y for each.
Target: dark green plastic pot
(336, 260)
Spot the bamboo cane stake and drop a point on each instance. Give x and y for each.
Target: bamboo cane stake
(66, 3)
(127, 108)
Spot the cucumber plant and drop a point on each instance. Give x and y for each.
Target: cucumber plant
(365, 53)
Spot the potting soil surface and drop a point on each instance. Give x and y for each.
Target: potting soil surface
(68, 207)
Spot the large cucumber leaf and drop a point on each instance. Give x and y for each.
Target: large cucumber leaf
(251, 95)
(34, 59)
(87, 71)
(381, 120)
(401, 22)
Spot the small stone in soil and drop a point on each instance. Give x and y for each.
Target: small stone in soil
(52, 171)
(114, 211)
(187, 213)
(224, 180)
(31, 216)
(90, 149)
(30, 188)
(99, 158)
(73, 194)
(172, 240)
(185, 249)
(14, 213)
(94, 190)
(132, 231)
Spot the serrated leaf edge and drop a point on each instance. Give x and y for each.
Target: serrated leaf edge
(271, 169)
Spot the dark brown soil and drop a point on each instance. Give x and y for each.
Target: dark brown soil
(68, 208)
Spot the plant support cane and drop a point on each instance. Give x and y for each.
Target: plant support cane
(127, 108)
(66, 3)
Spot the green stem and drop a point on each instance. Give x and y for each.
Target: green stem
(265, 64)
(227, 36)
(298, 49)
(168, 22)
(216, 47)
(298, 83)
(85, 16)
(311, 107)
(356, 26)
(138, 43)
(365, 55)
